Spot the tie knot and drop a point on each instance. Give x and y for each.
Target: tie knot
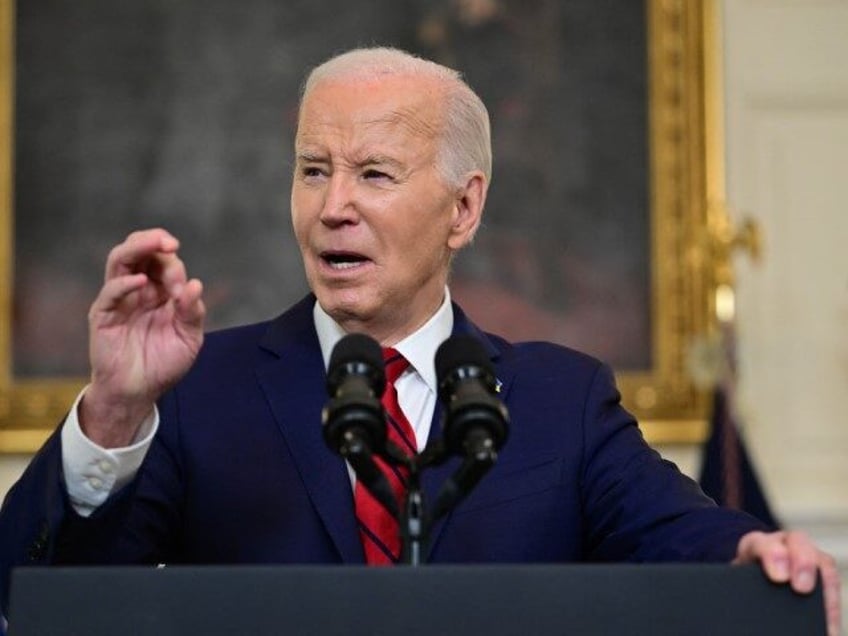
(395, 364)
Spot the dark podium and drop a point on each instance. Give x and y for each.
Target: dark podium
(432, 601)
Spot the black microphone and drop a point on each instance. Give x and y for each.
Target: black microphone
(354, 422)
(475, 422)
(474, 416)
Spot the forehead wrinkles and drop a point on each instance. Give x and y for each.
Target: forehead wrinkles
(418, 121)
(407, 121)
(416, 112)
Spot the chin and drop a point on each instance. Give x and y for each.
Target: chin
(343, 305)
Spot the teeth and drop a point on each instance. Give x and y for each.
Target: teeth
(343, 264)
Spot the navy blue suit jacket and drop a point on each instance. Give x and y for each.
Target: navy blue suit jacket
(239, 472)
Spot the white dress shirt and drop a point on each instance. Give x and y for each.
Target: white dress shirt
(93, 473)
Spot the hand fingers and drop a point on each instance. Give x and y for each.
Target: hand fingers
(152, 252)
(170, 271)
(786, 557)
(770, 550)
(189, 304)
(774, 556)
(187, 298)
(792, 557)
(832, 593)
(149, 256)
(137, 250)
(804, 561)
(115, 290)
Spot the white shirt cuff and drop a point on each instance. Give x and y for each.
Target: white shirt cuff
(92, 472)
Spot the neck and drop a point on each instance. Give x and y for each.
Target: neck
(389, 329)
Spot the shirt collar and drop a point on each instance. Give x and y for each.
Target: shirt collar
(419, 347)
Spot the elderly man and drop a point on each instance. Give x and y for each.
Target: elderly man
(185, 451)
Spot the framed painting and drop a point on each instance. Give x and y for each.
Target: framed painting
(116, 117)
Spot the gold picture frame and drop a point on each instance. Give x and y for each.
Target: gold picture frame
(685, 173)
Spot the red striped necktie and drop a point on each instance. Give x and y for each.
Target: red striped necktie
(379, 531)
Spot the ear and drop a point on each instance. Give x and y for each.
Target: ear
(468, 210)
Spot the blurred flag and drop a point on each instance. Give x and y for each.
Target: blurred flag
(727, 474)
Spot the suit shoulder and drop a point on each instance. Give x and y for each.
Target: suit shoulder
(223, 342)
(545, 355)
(295, 324)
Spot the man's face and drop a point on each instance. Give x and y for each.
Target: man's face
(375, 222)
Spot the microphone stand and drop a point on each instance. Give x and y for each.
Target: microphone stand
(412, 520)
(414, 529)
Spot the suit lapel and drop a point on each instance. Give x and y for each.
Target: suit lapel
(433, 478)
(294, 387)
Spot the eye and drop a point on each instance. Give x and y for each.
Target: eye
(311, 171)
(374, 174)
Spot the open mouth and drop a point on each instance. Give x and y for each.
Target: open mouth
(343, 260)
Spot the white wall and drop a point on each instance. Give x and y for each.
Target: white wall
(787, 166)
(11, 466)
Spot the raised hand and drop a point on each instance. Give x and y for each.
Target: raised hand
(145, 330)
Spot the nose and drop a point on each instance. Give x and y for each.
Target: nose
(339, 201)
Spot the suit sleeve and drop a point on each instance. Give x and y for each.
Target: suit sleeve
(32, 513)
(136, 525)
(638, 506)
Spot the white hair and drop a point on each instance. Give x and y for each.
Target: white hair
(466, 143)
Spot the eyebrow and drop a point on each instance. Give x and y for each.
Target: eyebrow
(373, 159)
(310, 157)
(378, 159)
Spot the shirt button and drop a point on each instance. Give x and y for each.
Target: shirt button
(105, 467)
(95, 482)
